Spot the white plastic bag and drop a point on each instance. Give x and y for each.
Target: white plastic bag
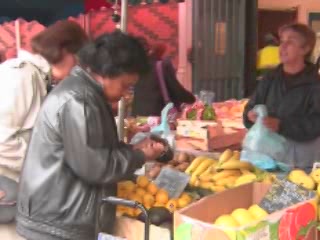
(262, 147)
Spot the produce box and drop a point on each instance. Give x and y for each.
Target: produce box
(132, 229)
(216, 140)
(196, 221)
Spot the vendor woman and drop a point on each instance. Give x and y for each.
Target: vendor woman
(291, 93)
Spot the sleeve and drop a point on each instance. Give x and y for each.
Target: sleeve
(17, 94)
(176, 91)
(304, 127)
(258, 97)
(95, 165)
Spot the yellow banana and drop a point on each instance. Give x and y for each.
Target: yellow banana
(195, 163)
(224, 174)
(206, 177)
(192, 180)
(210, 169)
(245, 171)
(205, 185)
(204, 165)
(225, 156)
(244, 179)
(215, 188)
(197, 183)
(228, 180)
(236, 155)
(234, 165)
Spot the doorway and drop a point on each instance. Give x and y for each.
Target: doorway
(270, 20)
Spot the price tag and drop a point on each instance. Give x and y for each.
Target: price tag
(283, 194)
(173, 181)
(316, 165)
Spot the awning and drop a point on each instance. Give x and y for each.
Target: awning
(97, 4)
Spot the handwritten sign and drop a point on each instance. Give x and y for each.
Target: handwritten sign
(173, 181)
(283, 194)
(316, 165)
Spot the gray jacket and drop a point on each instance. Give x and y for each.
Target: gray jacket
(74, 159)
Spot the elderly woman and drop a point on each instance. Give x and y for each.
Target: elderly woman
(74, 157)
(291, 93)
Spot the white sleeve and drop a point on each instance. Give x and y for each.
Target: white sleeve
(16, 98)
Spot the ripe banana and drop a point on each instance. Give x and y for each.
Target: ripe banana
(236, 155)
(206, 177)
(245, 171)
(205, 185)
(226, 181)
(193, 180)
(215, 188)
(210, 169)
(195, 163)
(234, 165)
(224, 174)
(225, 156)
(244, 179)
(204, 165)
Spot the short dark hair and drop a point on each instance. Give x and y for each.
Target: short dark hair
(305, 32)
(113, 54)
(63, 35)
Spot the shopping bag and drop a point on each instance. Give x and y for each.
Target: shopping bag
(263, 147)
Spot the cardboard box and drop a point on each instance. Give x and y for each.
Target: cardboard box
(229, 137)
(196, 221)
(132, 229)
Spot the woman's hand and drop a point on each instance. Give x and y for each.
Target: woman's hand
(272, 123)
(252, 116)
(151, 149)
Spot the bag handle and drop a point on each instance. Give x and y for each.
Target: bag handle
(162, 83)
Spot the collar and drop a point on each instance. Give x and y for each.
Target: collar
(35, 59)
(79, 71)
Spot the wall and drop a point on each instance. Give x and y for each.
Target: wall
(304, 6)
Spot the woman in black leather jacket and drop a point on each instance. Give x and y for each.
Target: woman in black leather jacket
(75, 158)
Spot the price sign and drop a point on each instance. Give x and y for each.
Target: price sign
(283, 194)
(173, 181)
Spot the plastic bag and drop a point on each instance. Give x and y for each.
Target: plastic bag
(262, 147)
(162, 130)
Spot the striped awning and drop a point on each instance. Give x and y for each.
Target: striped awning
(97, 4)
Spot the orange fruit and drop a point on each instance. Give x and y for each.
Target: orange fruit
(129, 211)
(162, 196)
(137, 212)
(140, 191)
(172, 205)
(186, 196)
(152, 188)
(183, 202)
(148, 199)
(135, 197)
(142, 181)
(157, 204)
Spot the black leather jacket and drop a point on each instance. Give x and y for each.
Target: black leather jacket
(74, 159)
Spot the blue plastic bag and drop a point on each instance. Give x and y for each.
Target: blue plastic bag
(162, 130)
(262, 147)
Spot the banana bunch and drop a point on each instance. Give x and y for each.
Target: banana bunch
(226, 172)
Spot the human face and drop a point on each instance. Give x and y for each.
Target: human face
(292, 47)
(62, 69)
(118, 87)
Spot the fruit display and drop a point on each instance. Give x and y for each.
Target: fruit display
(152, 198)
(180, 162)
(226, 172)
(309, 181)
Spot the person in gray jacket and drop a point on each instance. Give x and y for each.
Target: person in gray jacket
(291, 93)
(74, 157)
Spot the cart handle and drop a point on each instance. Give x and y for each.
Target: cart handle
(131, 204)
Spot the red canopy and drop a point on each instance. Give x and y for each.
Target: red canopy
(95, 4)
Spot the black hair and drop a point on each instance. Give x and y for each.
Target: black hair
(114, 54)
